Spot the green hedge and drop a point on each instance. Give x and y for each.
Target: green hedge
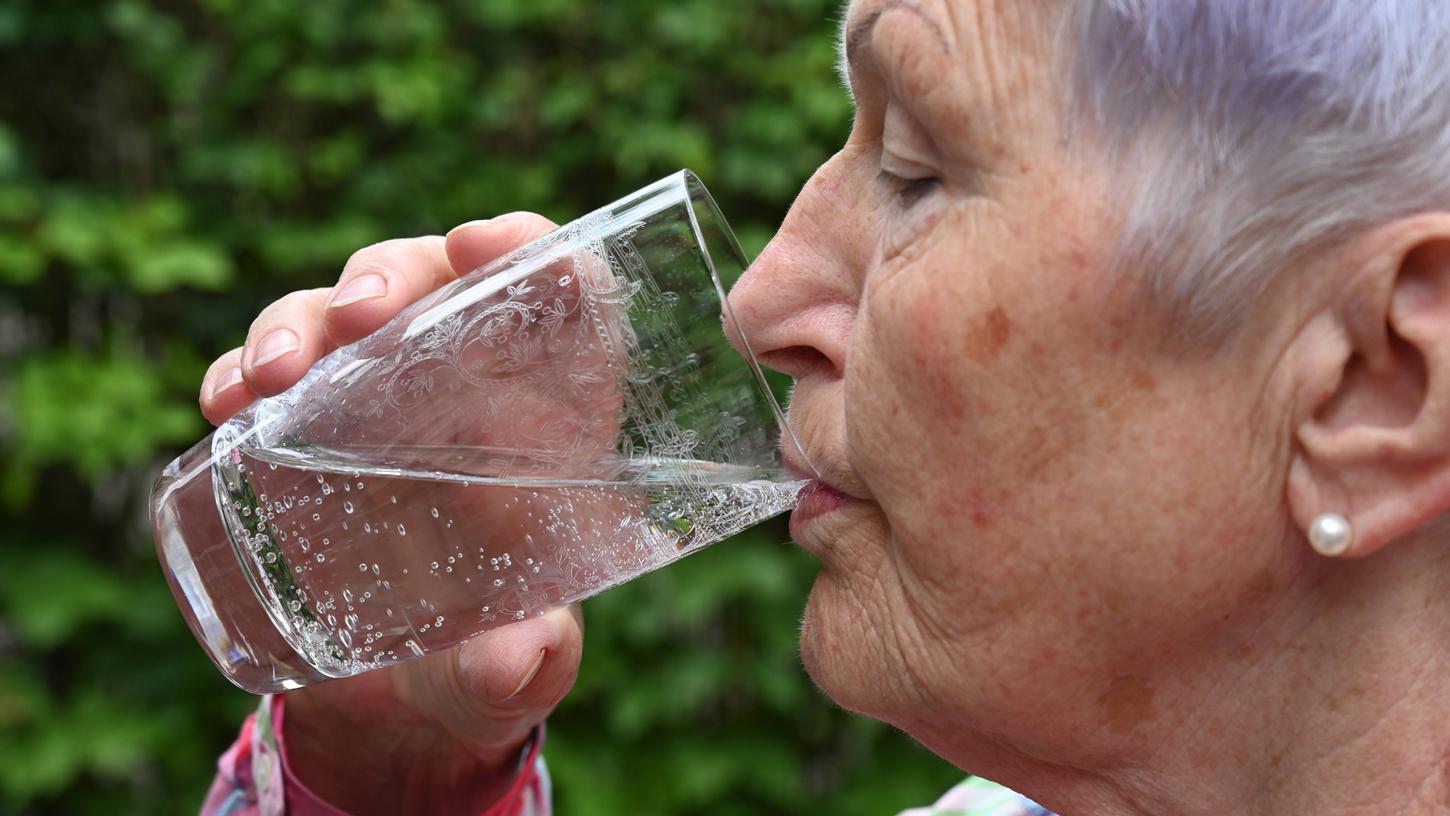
(168, 167)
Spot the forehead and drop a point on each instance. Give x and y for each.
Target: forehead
(984, 24)
(981, 56)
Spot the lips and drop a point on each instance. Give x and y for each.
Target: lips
(818, 498)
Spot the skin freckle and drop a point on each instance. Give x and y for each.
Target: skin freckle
(1142, 380)
(988, 336)
(1127, 703)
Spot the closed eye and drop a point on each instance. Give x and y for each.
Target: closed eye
(909, 191)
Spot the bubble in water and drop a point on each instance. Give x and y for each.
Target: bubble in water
(434, 511)
(393, 499)
(360, 485)
(402, 531)
(498, 582)
(316, 517)
(347, 596)
(434, 565)
(347, 506)
(375, 570)
(246, 511)
(439, 621)
(294, 605)
(326, 541)
(413, 647)
(271, 558)
(320, 558)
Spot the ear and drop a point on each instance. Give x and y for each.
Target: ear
(1373, 433)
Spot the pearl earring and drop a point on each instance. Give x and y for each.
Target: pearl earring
(1331, 535)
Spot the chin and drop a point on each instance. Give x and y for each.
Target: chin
(836, 668)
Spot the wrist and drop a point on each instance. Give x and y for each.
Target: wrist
(370, 763)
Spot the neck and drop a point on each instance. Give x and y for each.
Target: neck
(1336, 702)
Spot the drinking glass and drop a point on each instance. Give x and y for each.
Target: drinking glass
(555, 423)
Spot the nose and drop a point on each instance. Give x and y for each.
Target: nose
(794, 307)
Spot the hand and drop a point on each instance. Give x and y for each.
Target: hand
(441, 733)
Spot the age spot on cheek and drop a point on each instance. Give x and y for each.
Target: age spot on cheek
(988, 335)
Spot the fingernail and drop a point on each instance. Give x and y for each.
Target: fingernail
(470, 225)
(529, 675)
(274, 345)
(232, 378)
(363, 287)
(496, 220)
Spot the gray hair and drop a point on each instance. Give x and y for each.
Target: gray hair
(1252, 132)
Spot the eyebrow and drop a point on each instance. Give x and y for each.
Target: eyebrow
(854, 38)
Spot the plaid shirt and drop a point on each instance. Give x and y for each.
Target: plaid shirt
(253, 779)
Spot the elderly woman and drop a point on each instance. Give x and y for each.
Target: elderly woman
(1121, 337)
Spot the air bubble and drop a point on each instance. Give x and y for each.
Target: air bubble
(434, 511)
(347, 506)
(393, 499)
(402, 531)
(362, 567)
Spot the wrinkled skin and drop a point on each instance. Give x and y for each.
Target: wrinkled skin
(1072, 561)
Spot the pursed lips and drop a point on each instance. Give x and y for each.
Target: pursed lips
(818, 498)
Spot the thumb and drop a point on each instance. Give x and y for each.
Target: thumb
(491, 691)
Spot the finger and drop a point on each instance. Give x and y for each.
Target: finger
(379, 281)
(523, 667)
(476, 243)
(284, 341)
(223, 390)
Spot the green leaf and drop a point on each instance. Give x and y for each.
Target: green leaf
(20, 260)
(182, 263)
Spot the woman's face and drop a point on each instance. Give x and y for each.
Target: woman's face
(1060, 525)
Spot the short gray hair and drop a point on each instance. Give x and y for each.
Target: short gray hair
(1256, 131)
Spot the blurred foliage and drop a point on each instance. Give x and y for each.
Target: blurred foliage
(168, 167)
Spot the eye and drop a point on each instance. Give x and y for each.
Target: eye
(909, 191)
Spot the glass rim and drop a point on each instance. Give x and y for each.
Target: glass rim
(697, 194)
